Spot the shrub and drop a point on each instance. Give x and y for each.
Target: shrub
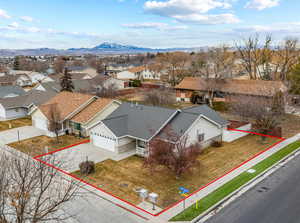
(135, 83)
(217, 144)
(220, 106)
(87, 167)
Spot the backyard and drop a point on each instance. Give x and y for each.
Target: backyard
(5, 125)
(36, 145)
(125, 177)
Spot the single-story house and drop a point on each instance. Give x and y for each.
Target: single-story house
(6, 80)
(21, 106)
(11, 91)
(227, 87)
(132, 127)
(98, 110)
(76, 111)
(140, 72)
(87, 85)
(83, 70)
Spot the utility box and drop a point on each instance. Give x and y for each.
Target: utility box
(153, 198)
(143, 193)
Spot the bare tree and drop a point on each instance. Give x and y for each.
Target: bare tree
(160, 97)
(264, 112)
(286, 57)
(59, 64)
(174, 154)
(107, 90)
(256, 56)
(55, 118)
(33, 192)
(175, 65)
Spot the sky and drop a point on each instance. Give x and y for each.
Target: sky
(65, 24)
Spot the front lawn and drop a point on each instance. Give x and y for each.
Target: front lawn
(123, 178)
(5, 125)
(36, 145)
(219, 194)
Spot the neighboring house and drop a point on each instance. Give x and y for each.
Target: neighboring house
(23, 80)
(83, 70)
(113, 69)
(131, 127)
(98, 110)
(141, 73)
(227, 87)
(75, 76)
(107, 81)
(87, 85)
(6, 80)
(11, 91)
(21, 106)
(77, 112)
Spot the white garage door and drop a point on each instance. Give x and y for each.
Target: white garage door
(103, 142)
(40, 124)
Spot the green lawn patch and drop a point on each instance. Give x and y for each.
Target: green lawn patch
(219, 194)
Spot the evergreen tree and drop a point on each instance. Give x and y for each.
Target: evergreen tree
(66, 82)
(17, 63)
(295, 79)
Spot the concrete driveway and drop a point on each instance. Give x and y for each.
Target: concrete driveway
(25, 132)
(71, 158)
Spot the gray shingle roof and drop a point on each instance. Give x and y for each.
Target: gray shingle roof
(79, 85)
(32, 97)
(6, 90)
(139, 121)
(145, 121)
(208, 112)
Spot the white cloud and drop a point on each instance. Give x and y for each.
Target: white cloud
(154, 25)
(183, 7)
(227, 18)
(26, 18)
(192, 11)
(4, 14)
(262, 4)
(13, 25)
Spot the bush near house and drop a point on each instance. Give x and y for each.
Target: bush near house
(220, 106)
(135, 83)
(87, 167)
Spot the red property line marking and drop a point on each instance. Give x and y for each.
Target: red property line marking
(64, 148)
(173, 205)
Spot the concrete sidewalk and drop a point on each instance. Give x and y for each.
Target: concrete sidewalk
(212, 187)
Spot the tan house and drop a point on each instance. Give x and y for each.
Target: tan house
(77, 112)
(227, 87)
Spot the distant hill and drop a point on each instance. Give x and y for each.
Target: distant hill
(104, 48)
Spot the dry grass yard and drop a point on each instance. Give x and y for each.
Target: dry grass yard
(36, 146)
(124, 177)
(5, 125)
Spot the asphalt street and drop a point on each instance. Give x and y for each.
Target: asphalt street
(275, 200)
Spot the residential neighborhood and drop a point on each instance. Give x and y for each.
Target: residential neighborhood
(149, 111)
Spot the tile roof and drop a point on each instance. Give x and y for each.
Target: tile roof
(91, 110)
(67, 103)
(137, 69)
(248, 87)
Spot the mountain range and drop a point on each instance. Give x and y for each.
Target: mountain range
(105, 48)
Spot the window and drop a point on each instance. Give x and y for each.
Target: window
(77, 126)
(201, 137)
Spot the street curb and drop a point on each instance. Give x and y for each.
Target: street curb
(246, 186)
